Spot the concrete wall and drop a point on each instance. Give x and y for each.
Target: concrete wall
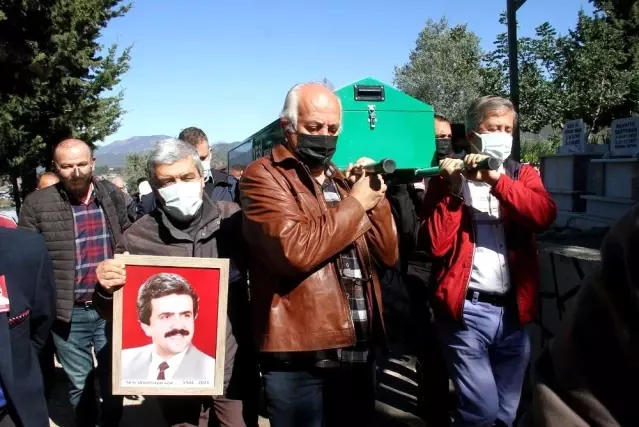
(562, 269)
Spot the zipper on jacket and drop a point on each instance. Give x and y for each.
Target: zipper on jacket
(75, 252)
(472, 262)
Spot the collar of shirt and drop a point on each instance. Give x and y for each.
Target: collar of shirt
(173, 362)
(88, 199)
(477, 195)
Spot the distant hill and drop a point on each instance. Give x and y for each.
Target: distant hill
(114, 154)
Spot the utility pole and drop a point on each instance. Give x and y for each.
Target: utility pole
(511, 14)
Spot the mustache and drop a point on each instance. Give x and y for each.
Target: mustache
(82, 179)
(175, 332)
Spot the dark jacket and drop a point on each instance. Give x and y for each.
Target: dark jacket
(48, 211)
(588, 374)
(146, 205)
(223, 187)
(448, 233)
(28, 274)
(397, 301)
(218, 236)
(298, 301)
(131, 204)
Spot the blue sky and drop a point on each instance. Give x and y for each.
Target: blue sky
(225, 66)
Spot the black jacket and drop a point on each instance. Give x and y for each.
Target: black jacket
(28, 274)
(49, 212)
(218, 236)
(223, 188)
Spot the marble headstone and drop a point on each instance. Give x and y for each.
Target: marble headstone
(624, 135)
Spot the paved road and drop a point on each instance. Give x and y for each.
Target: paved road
(395, 408)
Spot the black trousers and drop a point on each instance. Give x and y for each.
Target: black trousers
(316, 397)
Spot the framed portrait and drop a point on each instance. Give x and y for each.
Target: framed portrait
(169, 326)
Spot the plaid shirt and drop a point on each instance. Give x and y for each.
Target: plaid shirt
(348, 267)
(92, 245)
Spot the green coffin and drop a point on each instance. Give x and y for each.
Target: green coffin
(379, 122)
(383, 122)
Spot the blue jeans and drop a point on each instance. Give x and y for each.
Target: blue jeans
(316, 397)
(487, 362)
(74, 343)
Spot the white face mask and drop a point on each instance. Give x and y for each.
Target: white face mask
(498, 145)
(182, 200)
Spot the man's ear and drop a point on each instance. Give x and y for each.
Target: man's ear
(146, 329)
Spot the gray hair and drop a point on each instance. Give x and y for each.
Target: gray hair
(170, 151)
(291, 104)
(485, 106)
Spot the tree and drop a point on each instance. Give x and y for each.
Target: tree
(587, 74)
(623, 18)
(541, 63)
(135, 168)
(52, 78)
(444, 69)
(597, 79)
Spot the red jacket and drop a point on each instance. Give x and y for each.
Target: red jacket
(7, 222)
(448, 232)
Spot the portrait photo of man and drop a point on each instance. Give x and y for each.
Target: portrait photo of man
(4, 300)
(167, 307)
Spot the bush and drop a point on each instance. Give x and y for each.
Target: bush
(532, 151)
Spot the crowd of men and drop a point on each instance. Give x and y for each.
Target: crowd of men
(309, 248)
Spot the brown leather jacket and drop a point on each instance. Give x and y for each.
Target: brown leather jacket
(298, 301)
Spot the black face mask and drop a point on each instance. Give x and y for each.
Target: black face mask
(315, 150)
(443, 148)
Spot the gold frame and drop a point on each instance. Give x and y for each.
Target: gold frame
(221, 264)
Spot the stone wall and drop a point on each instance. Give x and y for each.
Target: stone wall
(562, 269)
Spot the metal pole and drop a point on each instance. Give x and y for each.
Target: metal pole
(511, 14)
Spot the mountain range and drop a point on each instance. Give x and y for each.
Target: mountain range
(114, 154)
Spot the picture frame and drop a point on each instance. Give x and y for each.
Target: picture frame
(169, 326)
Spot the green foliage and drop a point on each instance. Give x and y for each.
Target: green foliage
(587, 74)
(532, 151)
(444, 69)
(134, 169)
(541, 63)
(52, 78)
(591, 73)
(597, 80)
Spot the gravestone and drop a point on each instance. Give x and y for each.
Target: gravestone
(625, 137)
(619, 186)
(574, 137)
(565, 174)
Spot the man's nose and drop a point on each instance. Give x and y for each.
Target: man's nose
(76, 172)
(324, 131)
(178, 323)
